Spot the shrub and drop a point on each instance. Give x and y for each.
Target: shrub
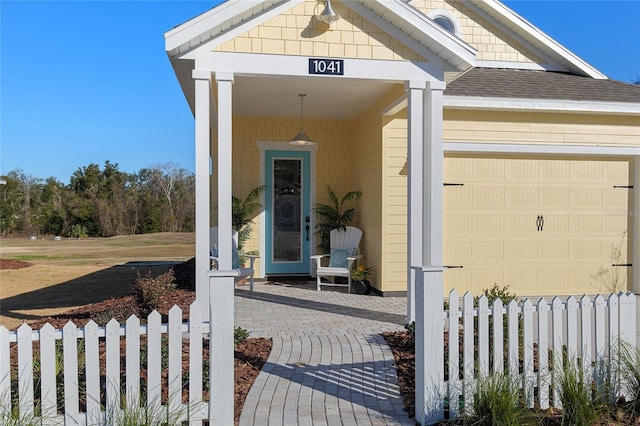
(149, 289)
(78, 231)
(240, 335)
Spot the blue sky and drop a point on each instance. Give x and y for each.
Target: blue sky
(87, 81)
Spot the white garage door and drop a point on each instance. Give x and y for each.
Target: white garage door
(541, 226)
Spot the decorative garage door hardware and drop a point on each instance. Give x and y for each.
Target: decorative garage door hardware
(622, 264)
(453, 184)
(623, 186)
(453, 266)
(540, 222)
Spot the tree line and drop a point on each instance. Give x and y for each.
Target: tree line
(99, 202)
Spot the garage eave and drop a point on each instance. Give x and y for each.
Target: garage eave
(541, 105)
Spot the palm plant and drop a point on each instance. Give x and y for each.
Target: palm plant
(333, 216)
(242, 212)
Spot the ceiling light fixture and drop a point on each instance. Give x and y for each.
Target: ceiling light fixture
(328, 16)
(301, 139)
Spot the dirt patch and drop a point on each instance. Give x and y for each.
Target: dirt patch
(13, 264)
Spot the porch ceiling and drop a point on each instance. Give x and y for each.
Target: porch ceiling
(334, 98)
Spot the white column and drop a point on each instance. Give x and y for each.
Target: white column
(429, 348)
(433, 236)
(415, 148)
(203, 141)
(429, 277)
(225, 83)
(221, 379)
(634, 228)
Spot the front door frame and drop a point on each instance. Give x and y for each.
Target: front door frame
(263, 147)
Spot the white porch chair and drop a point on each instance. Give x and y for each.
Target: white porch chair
(235, 257)
(344, 256)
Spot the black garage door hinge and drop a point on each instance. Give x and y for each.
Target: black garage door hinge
(623, 186)
(453, 266)
(622, 264)
(453, 184)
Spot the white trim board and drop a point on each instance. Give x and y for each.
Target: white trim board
(529, 149)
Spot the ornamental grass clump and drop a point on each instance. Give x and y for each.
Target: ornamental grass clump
(577, 406)
(496, 402)
(630, 375)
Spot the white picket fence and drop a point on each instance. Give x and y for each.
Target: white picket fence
(91, 362)
(585, 333)
(101, 381)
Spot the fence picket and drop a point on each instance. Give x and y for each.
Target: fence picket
(71, 388)
(527, 352)
(498, 336)
(48, 397)
(132, 363)
(5, 371)
(154, 359)
(543, 354)
(600, 344)
(557, 338)
(483, 334)
(175, 359)
(25, 371)
(512, 336)
(112, 369)
(614, 340)
(585, 336)
(454, 354)
(468, 350)
(92, 369)
(195, 364)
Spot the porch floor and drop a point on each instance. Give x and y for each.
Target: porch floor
(328, 364)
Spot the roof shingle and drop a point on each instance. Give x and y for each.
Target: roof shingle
(530, 84)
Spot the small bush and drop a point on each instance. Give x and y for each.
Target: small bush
(149, 289)
(240, 335)
(78, 231)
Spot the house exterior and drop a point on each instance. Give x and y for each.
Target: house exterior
(480, 144)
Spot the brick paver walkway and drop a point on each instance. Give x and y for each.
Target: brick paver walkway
(328, 365)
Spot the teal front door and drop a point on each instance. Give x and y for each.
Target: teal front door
(287, 212)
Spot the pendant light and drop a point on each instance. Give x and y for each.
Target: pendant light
(328, 16)
(301, 139)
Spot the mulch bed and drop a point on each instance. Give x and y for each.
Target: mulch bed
(13, 264)
(249, 355)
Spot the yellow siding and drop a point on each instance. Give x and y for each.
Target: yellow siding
(492, 43)
(517, 127)
(371, 163)
(296, 32)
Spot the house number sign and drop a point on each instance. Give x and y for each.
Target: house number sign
(326, 66)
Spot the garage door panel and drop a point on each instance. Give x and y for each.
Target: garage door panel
(554, 197)
(521, 197)
(522, 170)
(526, 277)
(520, 250)
(586, 224)
(554, 171)
(586, 198)
(458, 224)
(488, 197)
(585, 250)
(487, 169)
(556, 251)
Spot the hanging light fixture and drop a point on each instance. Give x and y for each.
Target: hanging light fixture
(301, 139)
(328, 16)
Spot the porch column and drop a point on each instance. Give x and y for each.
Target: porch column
(203, 141)
(634, 228)
(225, 83)
(430, 280)
(415, 148)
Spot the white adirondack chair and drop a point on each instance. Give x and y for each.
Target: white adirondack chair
(244, 272)
(344, 256)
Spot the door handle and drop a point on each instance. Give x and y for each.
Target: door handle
(307, 219)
